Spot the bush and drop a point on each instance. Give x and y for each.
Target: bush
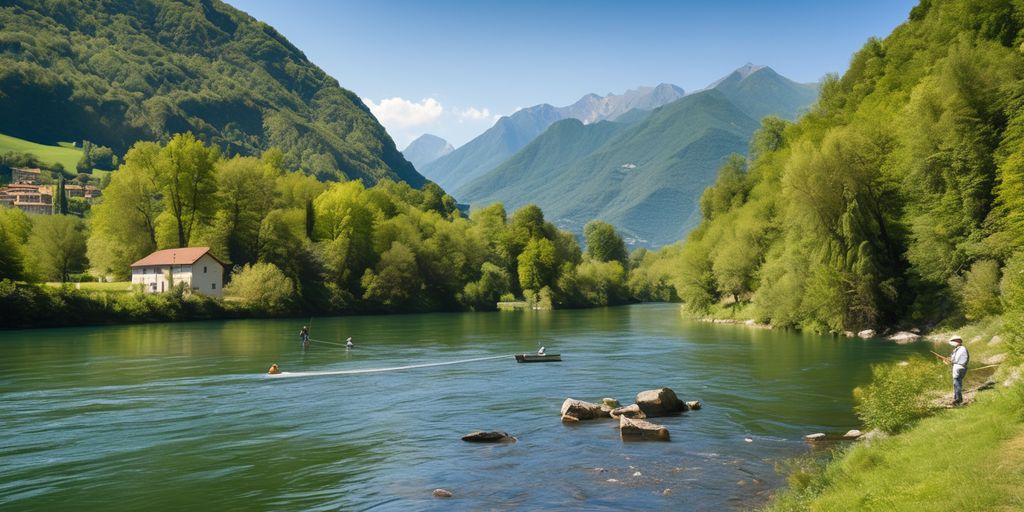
(898, 394)
(262, 287)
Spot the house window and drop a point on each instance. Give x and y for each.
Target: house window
(153, 286)
(204, 269)
(214, 285)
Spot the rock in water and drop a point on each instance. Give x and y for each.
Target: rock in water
(610, 402)
(693, 405)
(488, 437)
(810, 438)
(904, 337)
(582, 410)
(640, 429)
(442, 493)
(659, 402)
(852, 434)
(866, 333)
(630, 411)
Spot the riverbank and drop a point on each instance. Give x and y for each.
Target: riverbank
(970, 458)
(965, 458)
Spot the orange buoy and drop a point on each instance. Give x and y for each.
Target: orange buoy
(274, 370)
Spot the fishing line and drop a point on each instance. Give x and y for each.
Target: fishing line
(379, 370)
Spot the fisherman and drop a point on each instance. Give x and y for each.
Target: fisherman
(304, 335)
(540, 352)
(958, 360)
(274, 370)
(348, 342)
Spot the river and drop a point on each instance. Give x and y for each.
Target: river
(181, 416)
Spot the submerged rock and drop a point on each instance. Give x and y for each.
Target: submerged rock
(582, 410)
(629, 411)
(442, 493)
(488, 437)
(811, 438)
(693, 405)
(659, 402)
(640, 429)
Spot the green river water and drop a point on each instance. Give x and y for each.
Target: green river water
(181, 416)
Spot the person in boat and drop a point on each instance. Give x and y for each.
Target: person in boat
(274, 370)
(540, 352)
(348, 342)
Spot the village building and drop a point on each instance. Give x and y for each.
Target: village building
(26, 175)
(28, 198)
(195, 266)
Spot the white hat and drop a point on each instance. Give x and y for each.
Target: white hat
(956, 337)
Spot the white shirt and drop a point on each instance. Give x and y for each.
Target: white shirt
(959, 358)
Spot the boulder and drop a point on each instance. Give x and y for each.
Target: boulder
(488, 437)
(811, 438)
(630, 411)
(582, 410)
(659, 402)
(904, 337)
(997, 339)
(610, 402)
(996, 359)
(849, 334)
(693, 405)
(640, 429)
(442, 493)
(852, 434)
(866, 333)
(569, 418)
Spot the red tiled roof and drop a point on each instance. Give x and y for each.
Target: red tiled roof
(181, 256)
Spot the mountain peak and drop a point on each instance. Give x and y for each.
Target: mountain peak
(425, 149)
(738, 75)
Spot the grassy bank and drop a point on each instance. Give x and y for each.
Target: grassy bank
(970, 458)
(64, 153)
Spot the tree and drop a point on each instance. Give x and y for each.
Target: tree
(60, 198)
(124, 222)
(396, 280)
(14, 232)
(263, 287)
(245, 195)
(604, 243)
(188, 183)
(57, 245)
(537, 264)
(484, 293)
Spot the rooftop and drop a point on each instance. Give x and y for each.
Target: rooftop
(180, 256)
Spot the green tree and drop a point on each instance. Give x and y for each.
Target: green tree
(484, 293)
(245, 195)
(60, 198)
(15, 228)
(188, 183)
(537, 264)
(604, 243)
(57, 246)
(263, 287)
(123, 227)
(396, 281)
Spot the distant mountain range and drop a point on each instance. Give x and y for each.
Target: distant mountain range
(425, 149)
(644, 173)
(511, 133)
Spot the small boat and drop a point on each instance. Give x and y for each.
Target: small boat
(538, 358)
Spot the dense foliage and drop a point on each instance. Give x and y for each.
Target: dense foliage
(117, 72)
(898, 198)
(299, 244)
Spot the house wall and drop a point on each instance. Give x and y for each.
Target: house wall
(205, 276)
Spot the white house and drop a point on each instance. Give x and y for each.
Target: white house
(192, 265)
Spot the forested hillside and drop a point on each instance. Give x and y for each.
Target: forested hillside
(898, 199)
(115, 72)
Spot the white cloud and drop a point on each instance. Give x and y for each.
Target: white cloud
(474, 114)
(402, 113)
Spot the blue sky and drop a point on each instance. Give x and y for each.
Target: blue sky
(451, 67)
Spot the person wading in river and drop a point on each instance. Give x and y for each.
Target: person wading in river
(958, 360)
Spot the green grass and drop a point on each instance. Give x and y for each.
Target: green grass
(63, 153)
(962, 459)
(120, 286)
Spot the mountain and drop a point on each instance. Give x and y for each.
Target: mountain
(425, 149)
(115, 72)
(646, 176)
(511, 133)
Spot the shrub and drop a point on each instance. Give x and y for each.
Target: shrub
(262, 287)
(898, 393)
